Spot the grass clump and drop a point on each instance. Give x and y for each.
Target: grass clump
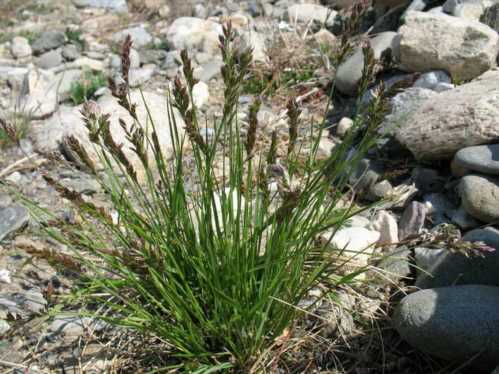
(86, 88)
(214, 269)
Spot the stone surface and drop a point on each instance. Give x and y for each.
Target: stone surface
(412, 220)
(432, 79)
(430, 41)
(350, 72)
(454, 323)
(480, 197)
(481, 158)
(386, 224)
(452, 120)
(48, 40)
(200, 94)
(50, 59)
(310, 13)
(402, 106)
(463, 220)
(115, 5)
(443, 268)
(356, 243)
(344, 126)
(140, 36)
(194, 34)
(395, 265)
(20, 47)
(70, 52)
(39, 94)
(12, 218)
(140, 76)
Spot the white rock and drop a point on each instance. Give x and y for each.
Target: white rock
(39, 94)
(387, 226)
(200, 94)
(461, 47)
(356, 243)
(194, 34)
(20, 47)
(344, 126)
(140, 36)
(138, 77)
(309, 13)
(5, 276)
(432, 79)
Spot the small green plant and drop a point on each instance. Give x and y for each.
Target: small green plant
(74, 37)
(215, 267)
(86, 88)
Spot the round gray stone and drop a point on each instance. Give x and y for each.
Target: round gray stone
(482, 158)
(454, 323)
(480, 197)
(443, 268)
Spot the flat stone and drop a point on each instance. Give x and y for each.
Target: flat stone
(480, 197)
(454, 323)
(443, 268)
(481, 158)
(430, 41)
(412, 220)
(12, 218)
(39, 93)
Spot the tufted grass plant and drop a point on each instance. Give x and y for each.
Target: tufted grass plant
(214, 269)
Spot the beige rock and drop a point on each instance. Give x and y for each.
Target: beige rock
(195, 34)
(68, 121)
(430, 41)
(454, 119)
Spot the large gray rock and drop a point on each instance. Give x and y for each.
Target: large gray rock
(349, 72)
(452, 120)
(48, 40)
(116, 5)
(442, 268)
(481, 158)
(38, 97)
(454, 323)
(480, 197)
(12, 218)
(430, 41)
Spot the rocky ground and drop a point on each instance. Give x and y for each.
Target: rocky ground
(430, 302)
